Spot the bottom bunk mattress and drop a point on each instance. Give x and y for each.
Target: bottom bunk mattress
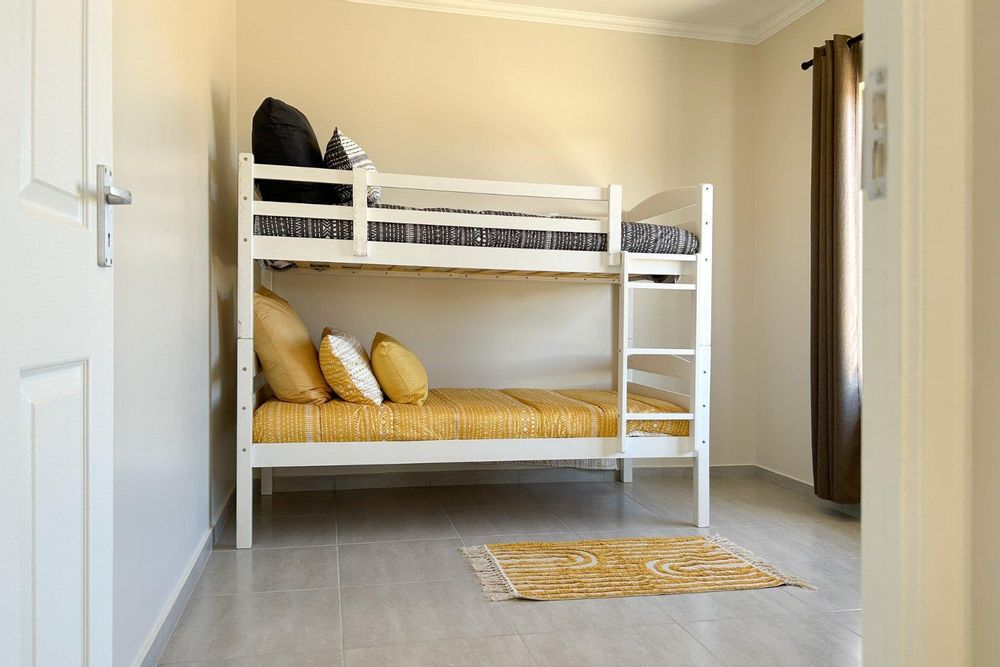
(465, 414)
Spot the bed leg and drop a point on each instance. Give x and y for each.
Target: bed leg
(266, 481)
(701, 481)
(625, 471)
(244, 502)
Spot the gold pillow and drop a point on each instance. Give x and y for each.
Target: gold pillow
(347, 369)
(286, 351)
(402, 376)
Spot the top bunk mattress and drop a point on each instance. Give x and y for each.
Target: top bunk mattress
(637, 237)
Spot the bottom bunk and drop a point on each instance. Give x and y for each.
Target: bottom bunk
(469, 425)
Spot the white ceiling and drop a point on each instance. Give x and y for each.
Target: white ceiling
(741, 21)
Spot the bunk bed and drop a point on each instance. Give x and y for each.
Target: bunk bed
(449, 243)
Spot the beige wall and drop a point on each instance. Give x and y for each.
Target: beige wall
(782, 168)
(986, 324)
(174, 72)
(453, 95)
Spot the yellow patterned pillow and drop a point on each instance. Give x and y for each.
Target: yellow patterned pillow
(399, 371)
(347, 368)
(286, 351)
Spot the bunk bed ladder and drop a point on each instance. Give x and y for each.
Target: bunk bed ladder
(624, 344)
(695, 361)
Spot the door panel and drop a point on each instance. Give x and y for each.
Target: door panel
(56, 157)
(54, 437)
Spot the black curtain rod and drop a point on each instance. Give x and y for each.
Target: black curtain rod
(851, 42)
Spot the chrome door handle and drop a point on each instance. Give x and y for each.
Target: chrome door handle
(109, 195)
(116, 196)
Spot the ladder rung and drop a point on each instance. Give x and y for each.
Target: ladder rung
(659, 416)
(660, 351)
(641, 284)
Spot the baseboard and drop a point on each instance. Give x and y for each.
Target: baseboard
(181, 595)
(805, 489)
(178, 600)
(687, 472)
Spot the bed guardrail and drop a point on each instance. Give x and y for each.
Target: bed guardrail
(361, 214)
(608, 220)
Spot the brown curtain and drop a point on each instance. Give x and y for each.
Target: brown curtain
(836, 272)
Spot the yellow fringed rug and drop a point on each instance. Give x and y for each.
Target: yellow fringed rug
(621, 568)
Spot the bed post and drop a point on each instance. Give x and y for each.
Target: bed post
(244, 357)
(266, 474)
(624, 297)
(616, 256)
(359, 201)
(614, 224)
(701, 394)
(625, 471)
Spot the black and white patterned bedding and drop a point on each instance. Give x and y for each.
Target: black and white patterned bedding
(636, 236)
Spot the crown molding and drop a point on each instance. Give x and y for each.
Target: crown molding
(571, 17)
(784, 18)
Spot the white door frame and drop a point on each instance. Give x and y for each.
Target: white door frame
(917, 325)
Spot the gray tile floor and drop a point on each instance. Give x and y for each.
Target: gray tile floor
(375, 577)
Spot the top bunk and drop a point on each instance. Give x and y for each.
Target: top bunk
(560, 232)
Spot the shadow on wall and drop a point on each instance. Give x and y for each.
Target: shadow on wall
(222, 278)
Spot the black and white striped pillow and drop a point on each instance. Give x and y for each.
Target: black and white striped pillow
(343, 153)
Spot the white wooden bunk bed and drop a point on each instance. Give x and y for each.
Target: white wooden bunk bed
(689, 208)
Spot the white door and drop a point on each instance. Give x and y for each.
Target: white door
(55, 335)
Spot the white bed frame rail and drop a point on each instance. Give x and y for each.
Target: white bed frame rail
(687, 207)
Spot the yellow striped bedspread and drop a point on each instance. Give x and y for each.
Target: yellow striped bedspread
(464, 414)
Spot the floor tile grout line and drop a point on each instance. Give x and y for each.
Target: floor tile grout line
(201, 661)
(622, 492)
(413, 539)
(839, 552)
(263, 517)
(234, 550)
(277, 590)
(472, 572)
(569, 529)
(527, 648)
(406, 583)
(409, 642)
(455, 528)
(340, 597)
(351, 544)
(228, 549)
(633, 626)
(702, 644)
(482, 506)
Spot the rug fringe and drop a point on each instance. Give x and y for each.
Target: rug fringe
(495, 583)
(758, 562)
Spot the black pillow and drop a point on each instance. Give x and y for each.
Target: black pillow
(282, 135)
